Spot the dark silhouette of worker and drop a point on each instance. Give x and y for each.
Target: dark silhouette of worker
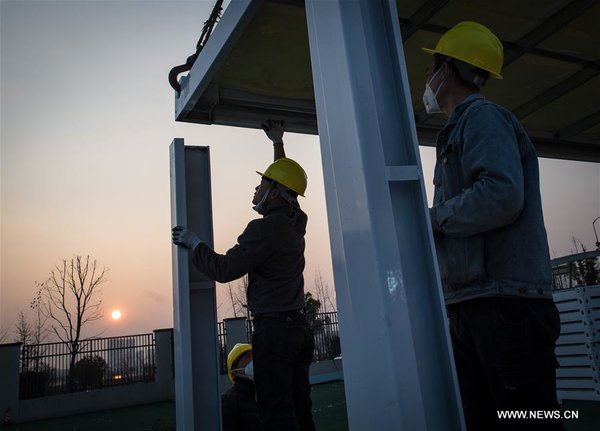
(491, 241)
(238, 403)
(271, 252)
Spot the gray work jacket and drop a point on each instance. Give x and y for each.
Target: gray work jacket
(487, 214)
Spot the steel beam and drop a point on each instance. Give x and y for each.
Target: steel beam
(421, 16)
(196, 358)
(571, 83)
(561, 18)
(440, 29)
(582, 125)
(392, 314)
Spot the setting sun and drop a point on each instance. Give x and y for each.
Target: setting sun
(116, 315)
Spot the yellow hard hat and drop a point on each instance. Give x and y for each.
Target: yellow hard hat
(474, 44)
(238, 350)
(288, 173)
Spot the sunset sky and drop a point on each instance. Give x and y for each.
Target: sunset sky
(86, 123)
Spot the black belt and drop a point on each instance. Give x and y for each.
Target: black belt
(283, 315)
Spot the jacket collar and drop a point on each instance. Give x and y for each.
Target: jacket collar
(461, 107)
(278, 208)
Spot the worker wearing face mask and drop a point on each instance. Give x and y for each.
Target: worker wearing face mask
(490, 239)
(238, 404)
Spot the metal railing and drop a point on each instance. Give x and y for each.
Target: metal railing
(581, 269)
(324, 326)
(222, 339)
(327, 337)
(53, 368)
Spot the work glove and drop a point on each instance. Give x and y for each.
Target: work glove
(185, 238)
(274, 130)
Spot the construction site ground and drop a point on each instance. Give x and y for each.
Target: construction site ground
(329, 409)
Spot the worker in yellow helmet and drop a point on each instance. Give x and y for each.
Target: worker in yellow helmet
(238, 403)
(271, 252)
(490, 239)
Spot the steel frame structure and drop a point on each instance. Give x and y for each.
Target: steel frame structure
(398, 365)
(196, 357)
(392, 316)
(206, 102)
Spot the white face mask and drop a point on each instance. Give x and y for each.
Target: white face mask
(261, 204)
(430, 98)
(248, 370)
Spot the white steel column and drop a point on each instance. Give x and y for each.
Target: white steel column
(398, 366)
(196, 356)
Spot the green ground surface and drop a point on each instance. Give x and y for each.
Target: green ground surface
(329, 408)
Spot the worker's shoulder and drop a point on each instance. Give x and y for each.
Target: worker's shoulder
(255, 226)
(291, 216)
(487, 114)
(230, 397)
(282, 220)
(263, 226)
(485, 107)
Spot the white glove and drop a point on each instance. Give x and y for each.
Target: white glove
(274, 130)
(185, 238)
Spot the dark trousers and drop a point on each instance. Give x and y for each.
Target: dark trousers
(282, 350)
(504, 354)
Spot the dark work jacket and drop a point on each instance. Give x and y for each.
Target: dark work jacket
(239, 408)
(487, 213)
(271, 252)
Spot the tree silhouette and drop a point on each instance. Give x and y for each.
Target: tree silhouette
(22, 329)
(237, 296)
(587, 271)
(3, 335)
(31, 335)
(28, 332)
(89, 372)
(70, 299)
(311, 307)
(323, 293)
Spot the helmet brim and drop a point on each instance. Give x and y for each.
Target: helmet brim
(265, 176)
(433, 51)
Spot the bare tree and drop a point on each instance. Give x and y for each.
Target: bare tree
(3, 335)
(39, 327)
(587, 271)
(70, 299)
(322, 293)
(28, 332)
(31, 335)
(237, 296)
(231, 298)
(22, 329)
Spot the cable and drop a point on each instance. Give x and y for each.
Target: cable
(214, 17)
